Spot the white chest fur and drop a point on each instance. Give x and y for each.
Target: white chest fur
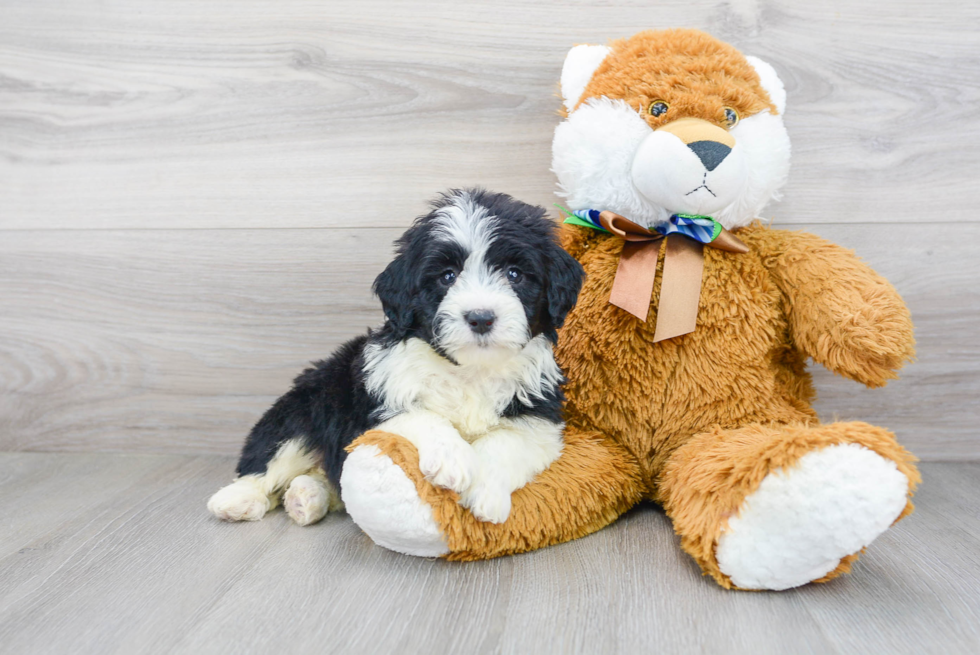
(411, 375)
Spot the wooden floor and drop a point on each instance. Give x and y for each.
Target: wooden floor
(116, 554)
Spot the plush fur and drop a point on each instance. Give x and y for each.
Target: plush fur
(715, 425)
(463, 368)
(611, 138)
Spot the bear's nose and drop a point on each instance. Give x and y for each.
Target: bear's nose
(480, 320)
(711, 153)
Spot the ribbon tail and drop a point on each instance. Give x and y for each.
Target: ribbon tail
(729, 243)
(680, 288)
(633, 284)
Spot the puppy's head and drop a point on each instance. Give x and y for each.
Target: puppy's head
(478, 277)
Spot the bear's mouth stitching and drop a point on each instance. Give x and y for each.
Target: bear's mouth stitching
(703, 186)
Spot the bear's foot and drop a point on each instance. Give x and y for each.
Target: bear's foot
(386, 505)
(389, 497)
(804, 519)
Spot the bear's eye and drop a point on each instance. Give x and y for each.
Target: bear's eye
(447, 277)
(731, 117)
(658, 108)
(514, 275)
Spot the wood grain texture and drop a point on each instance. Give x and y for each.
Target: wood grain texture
(135, 564)
(176, 341)
(292, 113)
(171, 341)
(194, 197)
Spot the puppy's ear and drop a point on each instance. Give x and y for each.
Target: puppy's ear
(393, 287)
(565, 277)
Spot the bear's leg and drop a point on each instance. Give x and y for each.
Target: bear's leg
(776, 506)
(586, 488)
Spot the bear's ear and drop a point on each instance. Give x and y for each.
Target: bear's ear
(580, 63)
(770, 82)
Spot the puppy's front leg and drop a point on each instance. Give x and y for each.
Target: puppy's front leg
(510, 457)
(445, 458)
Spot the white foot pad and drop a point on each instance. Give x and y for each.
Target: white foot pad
(307, 500)
(385, 504)
(800, 522)
(241, 500)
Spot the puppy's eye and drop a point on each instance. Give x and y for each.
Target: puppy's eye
(447, 277)
(514, 275)
(731, 117)
(658, 108)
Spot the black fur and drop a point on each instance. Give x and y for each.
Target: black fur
(525, 237)
(329, 405)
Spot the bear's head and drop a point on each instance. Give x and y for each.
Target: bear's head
(670, 122)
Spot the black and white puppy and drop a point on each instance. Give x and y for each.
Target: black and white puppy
(463, 368)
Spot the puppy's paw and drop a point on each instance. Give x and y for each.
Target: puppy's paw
(450, 464)
(239, 501)
(307, 500)
(487, 502)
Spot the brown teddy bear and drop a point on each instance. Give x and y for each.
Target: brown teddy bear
(686, 353)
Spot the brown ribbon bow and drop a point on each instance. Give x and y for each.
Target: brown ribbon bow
(680, 288)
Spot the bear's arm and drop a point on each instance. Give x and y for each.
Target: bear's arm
(841, 313)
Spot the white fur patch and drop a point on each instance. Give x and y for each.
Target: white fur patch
(510, 457)
(801, 521)
(410, 375)
(592, 156)
(465, 222)
(386, 506)
(445, 458)
(249, 497)
(443, 408)
(580, 64)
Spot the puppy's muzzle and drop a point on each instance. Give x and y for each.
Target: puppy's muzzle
(480, 320)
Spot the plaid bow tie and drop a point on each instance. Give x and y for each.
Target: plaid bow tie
(703, 229)
(680, 288)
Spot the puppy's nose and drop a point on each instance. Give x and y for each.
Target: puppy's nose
(480, 320)
(711, 153)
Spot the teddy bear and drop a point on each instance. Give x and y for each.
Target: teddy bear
(686, 352)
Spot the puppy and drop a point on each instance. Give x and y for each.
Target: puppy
(462, 367)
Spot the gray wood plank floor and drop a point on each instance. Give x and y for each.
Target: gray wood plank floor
(116, 554)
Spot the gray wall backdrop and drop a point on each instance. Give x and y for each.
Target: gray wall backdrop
(195, 196)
